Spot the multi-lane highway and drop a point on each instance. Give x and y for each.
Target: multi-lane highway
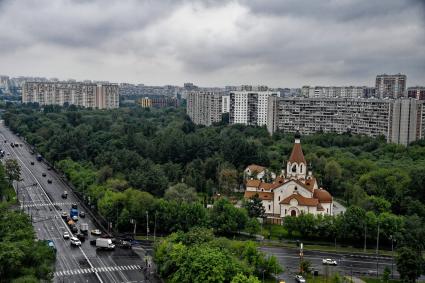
(44, 202)
(348, 264)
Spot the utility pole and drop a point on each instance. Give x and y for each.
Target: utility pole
(365, 231)
(301, 257)
(154, 227)
(392, 256)
(377, 252)
(147, 225)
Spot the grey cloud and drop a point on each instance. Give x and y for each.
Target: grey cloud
(276, 42)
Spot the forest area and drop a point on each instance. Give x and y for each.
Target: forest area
(132, 160)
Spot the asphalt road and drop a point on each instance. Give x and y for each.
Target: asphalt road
(348, 264)
(44, 203)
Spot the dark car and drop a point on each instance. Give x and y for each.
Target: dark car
(124, 244)
(65, 195)
(32, 162)
(44, 174)
(81, 237)
(49, 168)
(74, 206)
(93, 242)
(49, 181)
(82, 214)
(74, 229)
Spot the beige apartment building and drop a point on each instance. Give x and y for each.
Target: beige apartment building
(204, 107)
(101, 96)
(401, 121)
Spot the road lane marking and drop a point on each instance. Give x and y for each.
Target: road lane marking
(45, 194)
(97, 269)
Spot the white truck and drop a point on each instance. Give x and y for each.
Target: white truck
(84, 228)
(103, 243)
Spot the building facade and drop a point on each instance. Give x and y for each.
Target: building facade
(400, 121)
(294, 192)
(390, 86)
(334, 91)
(101, 96)
(249, 105)
(225, 105)
(158, 102)
(204, 107)
(417, 92)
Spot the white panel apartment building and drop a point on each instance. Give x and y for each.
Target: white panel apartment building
(204, 107)
(249, 105)
(391, 86)
(334, 91)
(400, 121)
(101, 96)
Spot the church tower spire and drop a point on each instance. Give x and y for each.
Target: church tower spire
(296, 166)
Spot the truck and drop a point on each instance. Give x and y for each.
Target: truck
(74, 212)
(39, 158)
(103, 243)
(84, 228)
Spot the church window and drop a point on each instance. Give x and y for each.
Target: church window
(327, 210)
(285, 211)
(269, 207)
(294, 168)
(296, 189)
(301, 168)
(279, 198)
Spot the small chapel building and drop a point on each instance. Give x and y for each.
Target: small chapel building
(294, 192)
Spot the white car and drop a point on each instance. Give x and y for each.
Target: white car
(329, 261)
(299, 279)
(66, 235)
(96, 232)
(75, 241)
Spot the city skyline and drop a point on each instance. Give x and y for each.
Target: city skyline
(214, 43)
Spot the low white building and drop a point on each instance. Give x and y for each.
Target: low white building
(294, 192)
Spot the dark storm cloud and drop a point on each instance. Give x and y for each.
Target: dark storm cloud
(214, 42)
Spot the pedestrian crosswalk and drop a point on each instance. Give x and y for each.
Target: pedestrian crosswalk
(97, 269)
(45, 204)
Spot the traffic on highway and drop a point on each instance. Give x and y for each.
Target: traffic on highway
(84, 252)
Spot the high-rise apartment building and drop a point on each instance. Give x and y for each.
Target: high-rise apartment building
(204, 107)
(225, 105)
(390, 86)
(400, 121)
(334, 91)
(417, 92)
(248, 105)
(101, 96)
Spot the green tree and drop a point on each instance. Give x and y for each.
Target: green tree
(226, 218)
(255, 207)
(181, 193)
(409, 264)
(252, 226)
(241, 278)
(305, 266)
(386, 275)
(228, 180)
(13, 170)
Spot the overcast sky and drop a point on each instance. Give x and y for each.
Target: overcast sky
(280, 43)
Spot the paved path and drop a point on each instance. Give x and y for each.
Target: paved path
(354, 279)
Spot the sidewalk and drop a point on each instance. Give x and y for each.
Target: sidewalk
(354, 279)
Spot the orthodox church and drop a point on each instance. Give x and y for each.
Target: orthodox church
(294, 192)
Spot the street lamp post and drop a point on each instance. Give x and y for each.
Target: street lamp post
(147, 225)
(392, 256)
(377, 252)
